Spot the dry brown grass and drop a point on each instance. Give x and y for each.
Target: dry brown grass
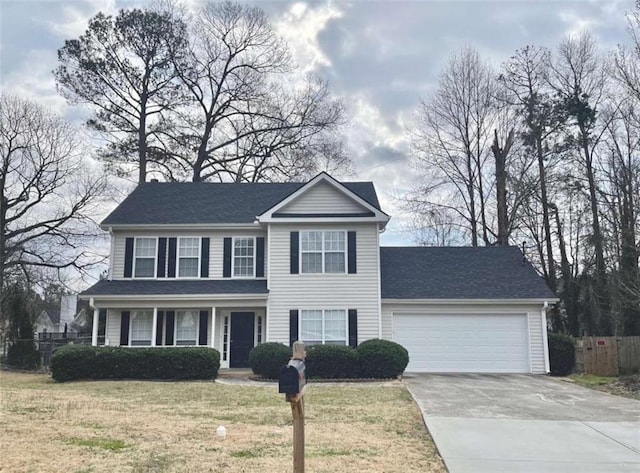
(131, 426)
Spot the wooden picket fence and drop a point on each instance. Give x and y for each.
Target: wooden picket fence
(608, 356)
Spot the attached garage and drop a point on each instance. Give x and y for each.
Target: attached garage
(467, 343)
(465, 310)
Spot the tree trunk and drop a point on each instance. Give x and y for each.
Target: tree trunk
(551, 272)
(500, 155)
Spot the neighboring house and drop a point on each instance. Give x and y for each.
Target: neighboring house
(47, 321)
(72, 314)
(231, 265)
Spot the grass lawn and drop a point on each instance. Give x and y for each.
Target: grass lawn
(627, 386)
(142, 426)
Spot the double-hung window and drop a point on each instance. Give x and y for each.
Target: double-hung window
(188, 257)
(186, 327)
(141, 328)
(323, 327)
(244, 257)
(145, 258)
(323, 252)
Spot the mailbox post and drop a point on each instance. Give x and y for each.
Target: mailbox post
(292, 383)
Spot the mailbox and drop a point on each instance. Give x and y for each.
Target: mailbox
(292, 378)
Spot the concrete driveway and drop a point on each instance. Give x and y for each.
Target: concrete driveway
(522, 423)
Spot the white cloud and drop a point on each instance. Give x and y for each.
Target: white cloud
(300, 26)
(76, 16)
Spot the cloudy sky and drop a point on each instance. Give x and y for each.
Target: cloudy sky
(381, 57)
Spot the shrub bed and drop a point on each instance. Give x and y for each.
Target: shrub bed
(562, 354)
(266, 359)
(382, 359)
(332, 362)
(86, 362)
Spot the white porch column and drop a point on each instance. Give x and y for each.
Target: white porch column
(94, 331)
(154, 327)
(213, 327)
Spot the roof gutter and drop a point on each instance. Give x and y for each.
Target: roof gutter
(544, 301)
(180, 226)
(175, 297)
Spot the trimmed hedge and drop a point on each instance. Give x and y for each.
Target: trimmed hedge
(562, 354)
(332, 362)
(87, 362)
(382, 359)
(266, 359)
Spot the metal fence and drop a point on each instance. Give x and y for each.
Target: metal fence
(47, 342)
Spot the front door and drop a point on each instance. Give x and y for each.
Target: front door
(242, 332)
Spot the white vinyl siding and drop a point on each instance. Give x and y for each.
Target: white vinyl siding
(323, 198)
(326, 291)
(535, 343)
(215, 247)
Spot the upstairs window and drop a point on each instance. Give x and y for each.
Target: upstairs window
(145, 258)
(323, 252)
(188, 257)
(323, 327)
(141, 325)
(244, 257)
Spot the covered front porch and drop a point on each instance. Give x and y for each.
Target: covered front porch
(230, 316)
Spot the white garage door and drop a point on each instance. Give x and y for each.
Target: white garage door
(464, 343)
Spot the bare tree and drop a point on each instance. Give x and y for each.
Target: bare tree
(48, 196)
(248, 119)
(451, 143)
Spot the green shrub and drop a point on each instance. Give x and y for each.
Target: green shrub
(562, 354)
(382, 359)
(22, 354)
(266, 359)
(332, 362)
(87, 362)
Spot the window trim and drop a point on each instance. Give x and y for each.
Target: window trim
(131, 312)
(233, 257)
(175, 327)
(346, 322)
(135, 258)
(323, 252)
(197, 276)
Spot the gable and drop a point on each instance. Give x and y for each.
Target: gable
(323, 199)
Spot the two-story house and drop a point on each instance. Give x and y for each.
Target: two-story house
(232, 265)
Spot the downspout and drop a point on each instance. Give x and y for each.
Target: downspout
(545, 337)
(379, 285)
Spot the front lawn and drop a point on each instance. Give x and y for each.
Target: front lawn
(144, 426)
(627, 386)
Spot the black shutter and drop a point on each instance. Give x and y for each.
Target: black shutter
(128, 257)
(293, 326)
(159, 328)
(260, 257)
(204, 327)
(162, 257)
(171, 267)
(124, 328)
(353, 328)
(295, 248)
(204, 258)
(171, 320)
(351, 252)
(226, 259)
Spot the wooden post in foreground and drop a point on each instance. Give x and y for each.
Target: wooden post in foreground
(297, 408)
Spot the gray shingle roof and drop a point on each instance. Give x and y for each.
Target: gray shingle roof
(205, 202)
(459, 273)
(152, 287)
